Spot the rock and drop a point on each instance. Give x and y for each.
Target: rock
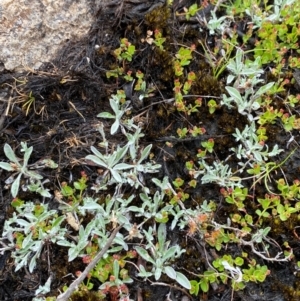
(31, 31)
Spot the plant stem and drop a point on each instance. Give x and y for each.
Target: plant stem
(75, 284)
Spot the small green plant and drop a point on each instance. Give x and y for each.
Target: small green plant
(182, 132)
(159, 39)
(28, 103)
(251, 148)
(43, 290)
(106, 266)
(74, 195)
(180, 195)
(235, 196)
(116, 286)
(212, 106)
(125, 51)
(197, 131)
(191, 77)
(272, 205)
(161, 255)
(208, 145)
(140, 87)
(293, 100)
(119, 71)
(183, 58)
(290, 122)
(289, 192)
(111, 162)
(269, 116)
(190, 12)
(119, 107)
(217, 25)
(217, 173)
(152, 207)
(246, 77)
(21, 168)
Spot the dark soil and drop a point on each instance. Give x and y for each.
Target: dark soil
(62, 125)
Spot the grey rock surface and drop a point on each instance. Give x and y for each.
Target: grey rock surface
(31, 31)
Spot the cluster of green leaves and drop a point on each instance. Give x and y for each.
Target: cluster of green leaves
(280, 38)
(125, 51)
(183, 58)
(226, 268)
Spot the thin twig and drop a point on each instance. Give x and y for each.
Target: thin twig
(217, 5)
(65, 296)
(169, 100)
(73, 106)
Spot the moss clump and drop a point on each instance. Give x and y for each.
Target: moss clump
(85, 296)
(291, 291)
(206, 84)
(159, 19)
(162, 64)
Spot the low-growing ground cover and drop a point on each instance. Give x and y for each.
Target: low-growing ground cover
(158, 158)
